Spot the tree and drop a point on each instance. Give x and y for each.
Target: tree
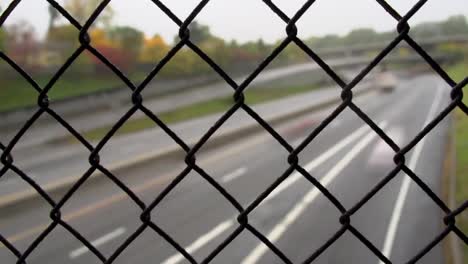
(426, 30)
(101, 40)
(117, 56)
(54, 15)
(2, 35)
(361, 36)
(77, 9)
(184, 63)
(127, 39)
(217, 49)
(63, 34)
(99, 37)
(62, 40)
(263, 48)
(455, 25)
(239, 55)
(326, 42)
(2, 39)
(22, 43)
(81, 10)
(154, 49)
(199, 32)
(291, 54)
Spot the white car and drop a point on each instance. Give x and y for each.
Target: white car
(386, 81)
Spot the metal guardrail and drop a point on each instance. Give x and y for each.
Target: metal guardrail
(239, 104)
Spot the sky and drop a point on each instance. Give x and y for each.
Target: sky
(245, 20)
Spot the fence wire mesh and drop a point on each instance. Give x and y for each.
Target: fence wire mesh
(403, 28)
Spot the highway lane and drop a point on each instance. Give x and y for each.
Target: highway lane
(140, 174)
(420, 221)
(321, 218)
(199, 209)
(71, 160)
(166, 164)
(47, 128)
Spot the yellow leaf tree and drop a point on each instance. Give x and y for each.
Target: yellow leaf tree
(81, 10)
(154, 49)
(99, 37)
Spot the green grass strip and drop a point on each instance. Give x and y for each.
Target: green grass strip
(197, 110)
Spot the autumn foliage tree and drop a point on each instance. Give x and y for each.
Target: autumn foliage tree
(63, 34)
(81, 10)
(101, 41)
(2, 35)
(154, 49)
(22, 43)
(129, 40)
(99, 37)
(2, 39)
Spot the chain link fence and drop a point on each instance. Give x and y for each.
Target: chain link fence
(238, 89)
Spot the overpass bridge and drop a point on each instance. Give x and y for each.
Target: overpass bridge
(364, 49)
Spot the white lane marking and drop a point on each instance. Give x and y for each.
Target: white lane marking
(201, 241)
(298, 141)
(286, 183)
(382, 154)
(319, 160)
(233, 175)
(15, 179)
(400, 202)
(335, 123)
(98, 242)
(297, 210)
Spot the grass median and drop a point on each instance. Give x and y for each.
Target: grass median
(459, 72)
(253, 96)
(17, 92)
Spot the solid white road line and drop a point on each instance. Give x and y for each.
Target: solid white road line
(98, 242)
(233, 175)
(400, 202)
(335, 123)
(15, 179)
(297, 142)
(299, 208)
(200, 242)
(319, 160)
(286, 183)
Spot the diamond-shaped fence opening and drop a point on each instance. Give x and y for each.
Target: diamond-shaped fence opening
(146, 219)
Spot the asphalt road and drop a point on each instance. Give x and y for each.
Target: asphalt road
(347, 157)
(71, 160)
(46, 128)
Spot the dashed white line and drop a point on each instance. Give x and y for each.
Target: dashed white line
(297, 210)
(233, 175)
(201, 241)
(98, 242)
(400, 202)
(288, 182)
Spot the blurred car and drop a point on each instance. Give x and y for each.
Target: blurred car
(386, 82)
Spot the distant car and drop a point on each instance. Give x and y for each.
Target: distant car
(386, 82)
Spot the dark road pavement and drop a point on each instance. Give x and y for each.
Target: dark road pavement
(347, 157)
(70, 160)
(47, 129)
